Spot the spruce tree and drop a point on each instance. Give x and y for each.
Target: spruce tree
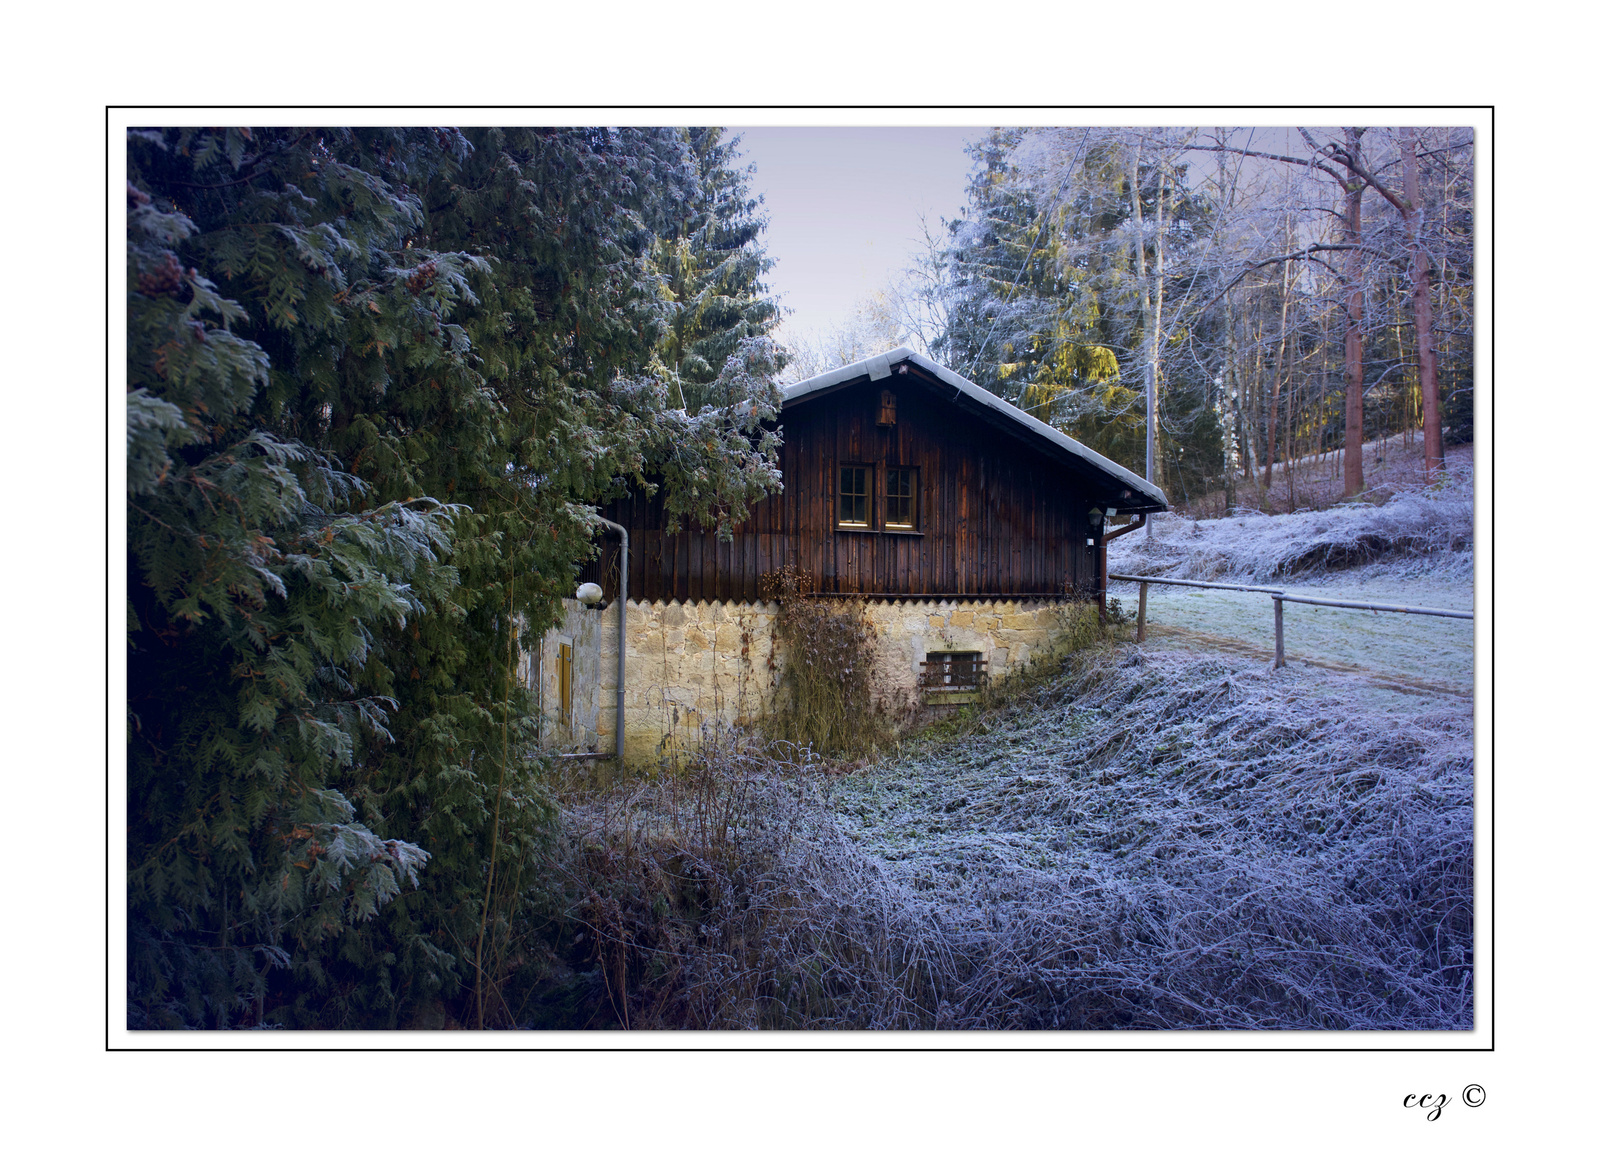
(711, 261)
(1045, 306)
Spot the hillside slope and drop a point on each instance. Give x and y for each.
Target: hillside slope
(1159, 839)
(1175, 834)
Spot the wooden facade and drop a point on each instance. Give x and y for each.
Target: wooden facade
(956, 500)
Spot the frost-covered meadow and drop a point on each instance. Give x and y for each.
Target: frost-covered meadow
(1396, 529)
(1167, 840)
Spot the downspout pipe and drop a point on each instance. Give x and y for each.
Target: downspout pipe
(621, 636)
(1104, 566)
(622, 630)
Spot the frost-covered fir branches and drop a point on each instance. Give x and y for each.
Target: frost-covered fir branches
(380, 379)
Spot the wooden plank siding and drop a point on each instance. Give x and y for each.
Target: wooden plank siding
(996, 516)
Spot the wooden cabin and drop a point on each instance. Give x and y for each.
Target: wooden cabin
(964, 521)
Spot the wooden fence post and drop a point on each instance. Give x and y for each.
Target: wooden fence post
(1143, 590)
(1277, 626)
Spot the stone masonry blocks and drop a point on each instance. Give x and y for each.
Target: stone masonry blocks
(692, 666)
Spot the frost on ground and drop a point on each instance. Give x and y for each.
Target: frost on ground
(1168, 841)
(1412, 529)
(1143, 840)
(1411, 545)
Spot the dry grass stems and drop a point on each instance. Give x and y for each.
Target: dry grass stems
(1134, 840)
(825, 653)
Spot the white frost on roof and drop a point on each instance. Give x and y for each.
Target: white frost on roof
(878, 367)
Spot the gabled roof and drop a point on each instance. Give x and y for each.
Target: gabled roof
(1145, 495)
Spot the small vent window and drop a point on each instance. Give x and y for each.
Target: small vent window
(953, 676)
(886, 408)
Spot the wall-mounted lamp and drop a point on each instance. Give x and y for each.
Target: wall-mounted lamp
(590, 595)
(1096, 519)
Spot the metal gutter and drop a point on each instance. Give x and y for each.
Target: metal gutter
(622, 631)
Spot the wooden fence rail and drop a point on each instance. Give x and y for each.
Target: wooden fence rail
(1279, 597)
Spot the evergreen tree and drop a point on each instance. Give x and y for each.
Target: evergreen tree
(711, 262)
(262, 576)
(1046, 307)
(365, 444)
(1041, 311)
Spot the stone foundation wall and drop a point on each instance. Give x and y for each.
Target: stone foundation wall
(698, 665)
(693, 666)
(1007, 632)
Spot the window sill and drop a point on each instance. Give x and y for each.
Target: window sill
(875, 530)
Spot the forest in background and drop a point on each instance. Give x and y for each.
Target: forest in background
(1239, 288)
(379, 382)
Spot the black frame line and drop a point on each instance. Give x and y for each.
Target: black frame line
(531, 1046)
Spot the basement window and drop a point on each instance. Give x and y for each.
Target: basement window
(953, 676)
(855, 496)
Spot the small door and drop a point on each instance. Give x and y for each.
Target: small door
(564, 669)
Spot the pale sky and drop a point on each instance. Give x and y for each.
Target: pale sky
(843, 206)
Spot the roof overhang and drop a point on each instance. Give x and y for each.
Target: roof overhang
(1121, 487)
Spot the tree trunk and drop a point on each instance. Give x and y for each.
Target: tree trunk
(1226, 381)
(1250, 411)
(1288, 444)
(1422, 310)
(1153, 450)
(1354, 305)
(1277, 371)
(1152, 322)
(1225, 387)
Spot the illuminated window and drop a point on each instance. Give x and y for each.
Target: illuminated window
(901, 496)
(855, 496)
